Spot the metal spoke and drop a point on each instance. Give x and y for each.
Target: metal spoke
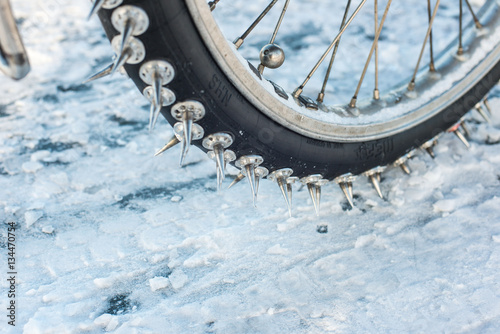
(474, 17)
(352, 104)
(411, 85)
(275, 32)
(460, 50)
(432, 68)
(239, 41)
(321, 95)
(376, 93)
(299, 89)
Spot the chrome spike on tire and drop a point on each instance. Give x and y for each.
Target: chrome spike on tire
(158, 97)
(171, 143)
(157, 73)
(456, 129)
(95, 8)
(289, 182)
(129, 21)
(157, 101)
(314, 183)
(462, 138)
(345, 182)
(106, 4)
(187, 123)
(374, 176)
(101, 74)
(401, 162)
(248, 164)
(281, 176)
(465, 128)
(260, 173)
(122, 58)
(483, 113)
(237, 179)
(428, 146)
(217, 143)
(133, 53)
(196, 132)
(187, 113)
(487, 105)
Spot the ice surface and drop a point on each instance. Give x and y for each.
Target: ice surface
(111, 239)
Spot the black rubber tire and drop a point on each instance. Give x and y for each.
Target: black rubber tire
(172, 36)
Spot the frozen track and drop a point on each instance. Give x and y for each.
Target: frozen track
(110, 238)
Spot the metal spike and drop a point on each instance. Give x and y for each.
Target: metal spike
(483, 113)
(187, 113)
(95, 8)
(121, 59)
(376, 185)
(187, 123)
(217, 143)
(284, 191)
(465, 128)
(462, 138)
(345, 190)
(281, 176)
(171, 143)
(289, 181)
(429, 145)
(250, 173)
(374, 176)
(157, 103)
(260, 173)
(238, 178)
(101, 74)
(345, 183)
(248, 164)
(401, 162)
(405, 168)
(311, 187)
(220, 165)
(487, 105)
(430, 150)
(127, 32)
(314, 183)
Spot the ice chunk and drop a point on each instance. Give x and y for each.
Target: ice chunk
(157, 283)
(178, 279)
(31, 217)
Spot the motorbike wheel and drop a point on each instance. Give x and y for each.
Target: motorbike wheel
(218, 101)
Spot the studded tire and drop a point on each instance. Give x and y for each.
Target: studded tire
(172, 36)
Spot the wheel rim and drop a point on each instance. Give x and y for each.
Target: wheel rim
(398, 111)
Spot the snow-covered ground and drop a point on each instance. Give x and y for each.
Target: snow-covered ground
(110, 238)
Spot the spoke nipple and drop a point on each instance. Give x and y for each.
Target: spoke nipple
(297, 92)
(411, 85)
(238, 42)
(352, 104)
(321, 97)
(376, 94)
